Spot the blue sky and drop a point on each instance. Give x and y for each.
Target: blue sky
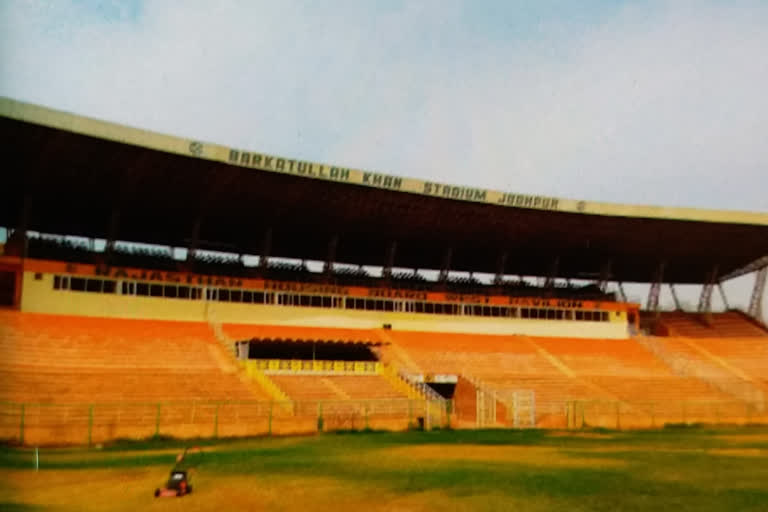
(651, 102)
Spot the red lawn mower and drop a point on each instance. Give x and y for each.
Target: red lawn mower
(178, 483)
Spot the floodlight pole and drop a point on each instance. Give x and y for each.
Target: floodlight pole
(621, 291)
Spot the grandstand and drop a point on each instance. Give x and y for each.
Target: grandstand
(155, 285)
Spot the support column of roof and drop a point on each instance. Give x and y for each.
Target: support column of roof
(655, 291)
(389, 261)
(678, 307)
(330, 258)
(605, 276)
(194, 240)
(621, 291)
(445, 267)
(549, 282)
(705, 299)
(114, 225)
(501, 263)
(756, 301)
(17, 242)
(266, 249)
(722, 295)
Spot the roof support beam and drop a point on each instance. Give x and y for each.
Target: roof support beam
(266, 249)
(501, 263)
(194, 240)
(722, 295)
(678, 307)
(655, 291)
(389, 260)
(705, 299)
(549, 282)
(756, 301)
(330, 258)
(445, 267)
(621, 291)
(605, 276)
(17, 243)
(114, 225)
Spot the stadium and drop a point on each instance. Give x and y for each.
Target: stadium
(154, 287)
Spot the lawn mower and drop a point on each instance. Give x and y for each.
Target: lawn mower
(179, 481)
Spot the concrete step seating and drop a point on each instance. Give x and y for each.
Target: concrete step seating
(730, 324)
(51, 358)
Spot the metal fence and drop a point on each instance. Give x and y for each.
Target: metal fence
(653, 414)
(47, 424)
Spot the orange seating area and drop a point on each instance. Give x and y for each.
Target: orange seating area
(749, 355)
(557, 369)
(336, 387)
(731, 324)
(51, 358)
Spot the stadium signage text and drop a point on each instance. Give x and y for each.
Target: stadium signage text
(271, 163)
(543, 303)
(397, 294)
(281, 286)
(157, 275)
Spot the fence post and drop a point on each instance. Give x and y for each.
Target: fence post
(653, 414)
(216, 422)
(618, 415)
(157, 421)
(90, 425)
(320, 421)
(685, 415)
(269, 424)
(365, 408)
(410, 414)
(21, 425)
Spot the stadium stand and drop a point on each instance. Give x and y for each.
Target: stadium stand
(732, 324)
(51, 359)
(376, 300)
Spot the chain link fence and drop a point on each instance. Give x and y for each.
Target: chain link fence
(51, 424)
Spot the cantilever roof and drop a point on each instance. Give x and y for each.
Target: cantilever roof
(75, 171)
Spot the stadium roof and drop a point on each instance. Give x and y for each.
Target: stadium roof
(75, 172)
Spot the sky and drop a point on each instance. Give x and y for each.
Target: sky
(648, 102)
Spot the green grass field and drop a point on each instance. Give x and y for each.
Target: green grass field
(697, 469)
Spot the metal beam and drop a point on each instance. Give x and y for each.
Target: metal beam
(266, 249)
(330, 258)
(194, 240)
(722, 295)
(678, 307)
(501, 263)
(655, 291)
(752, 267)
(389, 262)
(621, 292)
(605, 276)
(445, 267)
(758, 291)
(705, 299)
(549, 282)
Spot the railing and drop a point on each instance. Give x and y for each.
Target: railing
(655, 414)
(299, 366)
(60, 424)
